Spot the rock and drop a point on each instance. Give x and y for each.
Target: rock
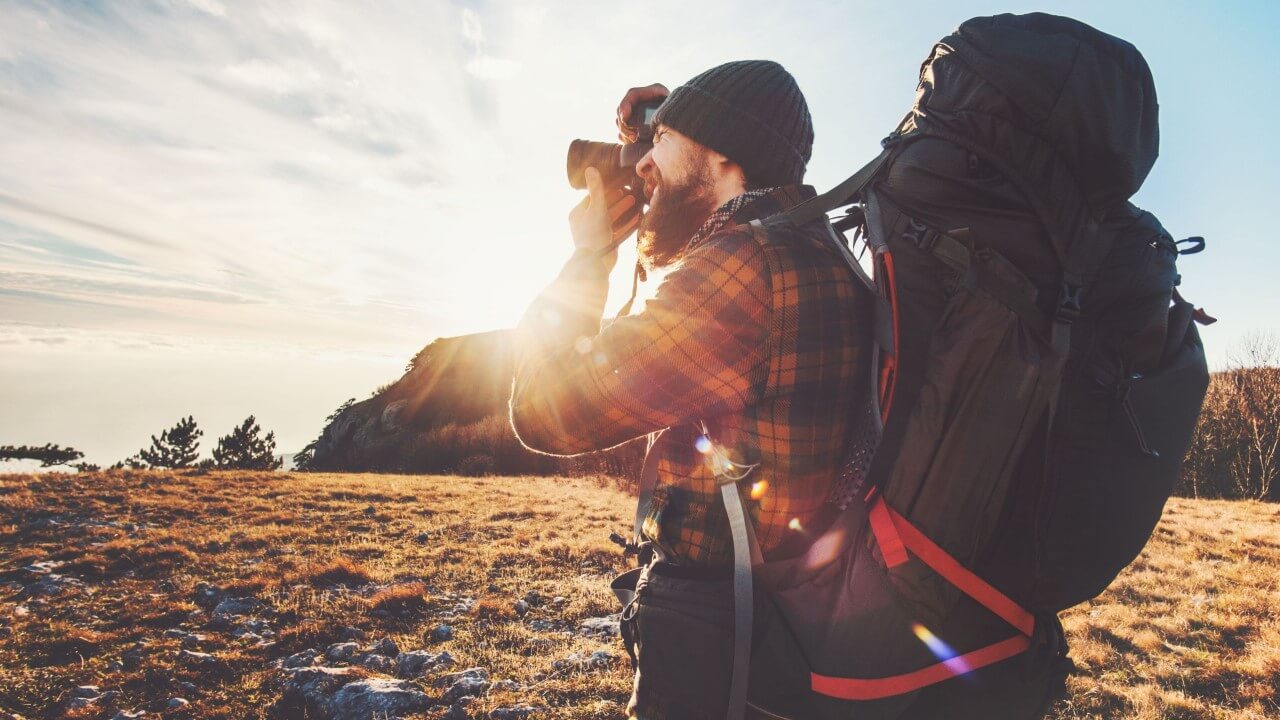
(386, 646)
(126, 714)
(441, 633)
(353, 633)
(597, 659)
(515, 712)
(193, 639)
(541, 625)
(534, 598)
(521, 607)
(207, 596)
(188, 687)
(508, 684)
(476, 673)
(301, 659)
(342, 652)
(422, 537)
(415, 663)
(312, 687)
(376, 698)
(230, 607)
(464, 686)
(188, 639)
(197, 659)
(51, 584)
(88, 696)
(44, 567)
(177, 702)
(472, 681)
(457, 711)
(559, 600)
(600, 626)
(461, 607)
(379, 663)
(253, 626)
(391, 415)
(133, 657)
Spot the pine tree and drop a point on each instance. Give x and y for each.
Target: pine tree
(244, 450)
(48, 455)
(304, 459)
(178, 447)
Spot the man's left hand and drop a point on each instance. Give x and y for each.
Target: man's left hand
(603, 219)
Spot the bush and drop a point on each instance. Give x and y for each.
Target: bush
(1235, 451)
(476, 465)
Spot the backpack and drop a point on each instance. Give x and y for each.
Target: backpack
(1037, 378)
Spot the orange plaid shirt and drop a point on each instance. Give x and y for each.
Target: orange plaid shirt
(765, 342)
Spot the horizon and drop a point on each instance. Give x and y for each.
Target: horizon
(221, 210)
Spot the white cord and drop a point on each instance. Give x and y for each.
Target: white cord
(722, 462)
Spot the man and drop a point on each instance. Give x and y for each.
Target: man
(742, 367)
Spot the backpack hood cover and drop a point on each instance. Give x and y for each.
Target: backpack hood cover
(1067, 112)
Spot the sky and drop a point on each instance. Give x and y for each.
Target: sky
(218, 209)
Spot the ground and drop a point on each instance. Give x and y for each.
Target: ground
(156, 585)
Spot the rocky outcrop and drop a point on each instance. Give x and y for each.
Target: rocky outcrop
(448, 414)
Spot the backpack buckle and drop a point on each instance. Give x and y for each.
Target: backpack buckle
(920, 235)
(1068, 302)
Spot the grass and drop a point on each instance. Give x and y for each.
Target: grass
(1189, 631)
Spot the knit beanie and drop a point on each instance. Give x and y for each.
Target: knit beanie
(752, 112)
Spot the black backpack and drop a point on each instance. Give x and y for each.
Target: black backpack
(1037, 380)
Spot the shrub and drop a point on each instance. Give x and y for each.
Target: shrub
(1235, 451)
(476, 465)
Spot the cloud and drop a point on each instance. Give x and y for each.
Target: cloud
(491, 68)
(482, 65)
(212, 7)
(29, 208)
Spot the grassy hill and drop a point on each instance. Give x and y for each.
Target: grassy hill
(180, 594)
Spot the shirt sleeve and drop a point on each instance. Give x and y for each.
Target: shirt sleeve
(697, 349)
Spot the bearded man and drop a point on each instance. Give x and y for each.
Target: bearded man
(742, 368)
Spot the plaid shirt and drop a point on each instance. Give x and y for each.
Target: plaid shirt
(762, 341)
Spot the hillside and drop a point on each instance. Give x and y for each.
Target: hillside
(190, 596)
(448, 414)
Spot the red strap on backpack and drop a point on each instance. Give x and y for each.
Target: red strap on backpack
(895, 536)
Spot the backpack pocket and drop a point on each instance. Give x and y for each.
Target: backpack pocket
(985, 377)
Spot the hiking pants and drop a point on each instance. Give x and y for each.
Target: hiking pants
(678, 631)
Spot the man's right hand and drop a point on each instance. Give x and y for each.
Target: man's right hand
(634, 97)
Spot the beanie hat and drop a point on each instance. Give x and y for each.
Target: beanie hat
(752, 112)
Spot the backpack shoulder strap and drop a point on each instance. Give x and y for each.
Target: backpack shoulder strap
(844, 193)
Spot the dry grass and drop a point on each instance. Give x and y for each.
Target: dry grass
(1190, 631)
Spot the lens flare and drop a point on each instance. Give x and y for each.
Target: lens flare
(582, 344)
(702, 444)
(940, 650)
(759, 488)
(795, 524)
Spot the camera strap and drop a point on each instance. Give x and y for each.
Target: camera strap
(636, 278)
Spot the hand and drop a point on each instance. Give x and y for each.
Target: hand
(636, 96)
(603, 219)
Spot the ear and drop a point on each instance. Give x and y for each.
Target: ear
(725, 170)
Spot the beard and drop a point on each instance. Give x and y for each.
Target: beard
(677, 211)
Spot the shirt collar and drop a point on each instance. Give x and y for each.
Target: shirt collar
(751, 205)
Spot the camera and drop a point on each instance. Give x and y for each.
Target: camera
(615, 163)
